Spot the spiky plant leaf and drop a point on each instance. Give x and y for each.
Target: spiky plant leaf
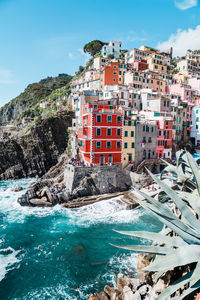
(145, 249)
(175, 286)
(169, 219)
(176, 225)
(193, 200)
(186, 212)
(195, 170)
(156, 237)
(179, 257)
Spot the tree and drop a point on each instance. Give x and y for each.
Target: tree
(93, 47)
(110, 56)
(81, 69)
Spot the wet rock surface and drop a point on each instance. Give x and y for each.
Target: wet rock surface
(36, 152)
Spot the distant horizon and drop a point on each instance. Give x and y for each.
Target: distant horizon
(43, 41)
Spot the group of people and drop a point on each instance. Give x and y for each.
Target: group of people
(55, 189)
(76, 162)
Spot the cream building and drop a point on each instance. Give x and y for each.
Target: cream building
(129, 141)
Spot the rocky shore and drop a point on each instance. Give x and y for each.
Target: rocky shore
(73, 186)
(143, 287)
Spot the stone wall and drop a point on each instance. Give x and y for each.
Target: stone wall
(100, 180)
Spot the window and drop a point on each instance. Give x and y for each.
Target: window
(98, 131)
(114, 66)
(98, 118)
(118, 145)
(125, 145)
(109, 130)
(118, 132)
(144, 128)
(151, 129)
(109, 119)
(114, 73)
(132, 133)
(149, 140)
(98, 145)
(114, 79)
(108, 145)
(147, 103)
(119, 119)
(95, 106)
(132, 145)
(126, 133)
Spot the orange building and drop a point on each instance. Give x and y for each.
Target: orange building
(110, 75)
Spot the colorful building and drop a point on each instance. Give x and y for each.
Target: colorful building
(129, 141)
(164, 138)
(113, 48)
(101, 134)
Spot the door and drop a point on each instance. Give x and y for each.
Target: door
(102, 160)
(110, 159)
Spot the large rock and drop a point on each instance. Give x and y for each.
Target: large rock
(40, 202)
(37, 151)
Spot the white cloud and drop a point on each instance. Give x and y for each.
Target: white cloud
(70, 55)
(182, 40)
(6, 77)
(185, 4)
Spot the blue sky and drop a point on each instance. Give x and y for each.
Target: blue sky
(40, 38)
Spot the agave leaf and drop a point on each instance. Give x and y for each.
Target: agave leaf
(195, 170)
(168, 215)
(178, 156)
(175, 286)
(156, 237)
(178, 257)
(145, 249)
(192, 278)
(196, 275)
(192, 199)
(186, 212)
(158, 275)
(178, 227)
(188, 291)
(181, 175)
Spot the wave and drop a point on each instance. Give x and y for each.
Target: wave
(8, 261)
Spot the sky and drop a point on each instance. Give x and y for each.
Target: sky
(40, 38)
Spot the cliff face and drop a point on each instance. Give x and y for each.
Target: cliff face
(36, 152)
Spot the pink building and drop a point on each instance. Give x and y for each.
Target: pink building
(184, 91)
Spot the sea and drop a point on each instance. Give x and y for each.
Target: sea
(59, 253)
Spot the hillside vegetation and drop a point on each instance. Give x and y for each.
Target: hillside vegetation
(31, 96)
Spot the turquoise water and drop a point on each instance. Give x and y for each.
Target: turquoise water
(80, 255)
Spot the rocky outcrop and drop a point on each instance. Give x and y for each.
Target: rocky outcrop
(36, 152)
(77, 186)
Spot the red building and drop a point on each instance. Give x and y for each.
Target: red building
(141, 65)
(164, 139)
(101, 134)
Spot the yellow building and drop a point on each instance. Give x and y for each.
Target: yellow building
(157, 63)
(129, 143)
